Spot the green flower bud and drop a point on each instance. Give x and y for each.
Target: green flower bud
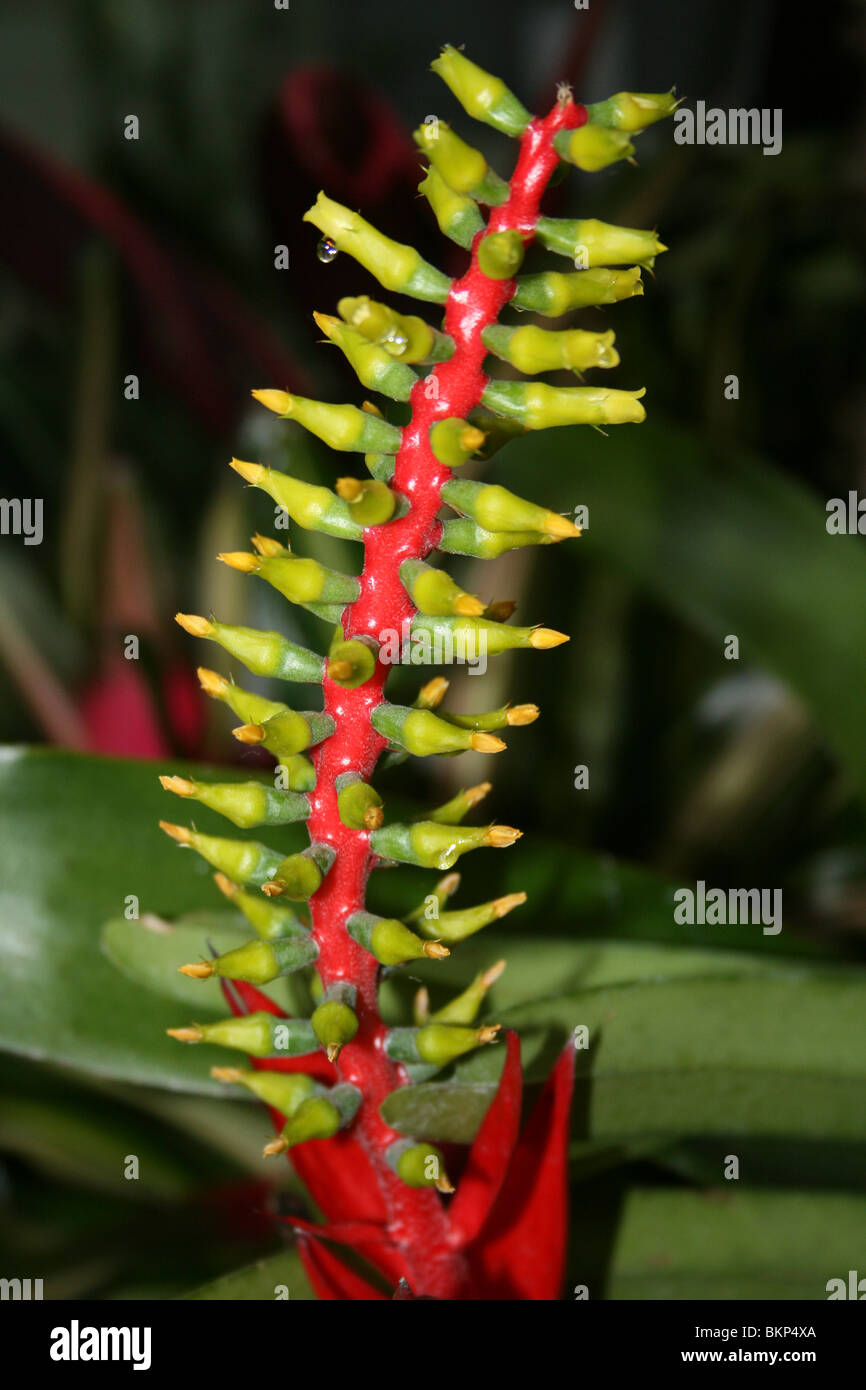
(462, 167)
(370, 503)
(380, 466)
(390, 941)
(286, 733)
(263, 653)
(244, 861)
(258, 1034)
(632, 111)
(334, 1021)
(422, 733)
(531, 349)
(553, 293)
(247, 804)
(296, 773)
(258, 962)
(453, 441)
(438, 1044)
(457, 214)
(500, 254)
(466, 537)
(283, 1091)
(596, 243)
(464, 1008)
(404, 336)
(373, 365)
(358, 804)
(442, 891)
(351, 663)
(467, 637)
(506, 716)
(314, 508)
(396, 267)
(297, 578)
(299, 875)
(497, 509)
(457, 809)
(592, 147)
(539, 407)
(419, 1164)
(433, 591)
(433, 846)
(457, 925)
(319, 1117)
(271, 922)
(480, 93)
(340, 426)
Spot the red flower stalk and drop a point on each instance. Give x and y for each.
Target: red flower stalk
(501, 1234)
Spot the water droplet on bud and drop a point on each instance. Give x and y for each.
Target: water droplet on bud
(326, 250)
(395, 342)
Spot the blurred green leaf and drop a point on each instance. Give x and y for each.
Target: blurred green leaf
(259, 1281)
(747, 1054)
(732, 546)
(731, 1244)
(77, 836)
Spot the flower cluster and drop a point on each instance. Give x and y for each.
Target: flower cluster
(385, 1195)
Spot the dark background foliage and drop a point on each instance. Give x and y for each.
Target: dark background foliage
(156, 257)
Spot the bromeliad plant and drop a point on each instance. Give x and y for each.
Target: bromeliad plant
(385, 1196)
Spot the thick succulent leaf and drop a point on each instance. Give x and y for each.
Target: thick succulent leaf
(747, 1054)
(713, 539)
(77, 836)
(730, 1244)
(260, 1281)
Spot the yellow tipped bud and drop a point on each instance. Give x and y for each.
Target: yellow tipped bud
(250, 472)
(212, 683)
(332, 1051)
(435, 950)
(250, 734)
(181, 786)
(195, 626)
(490, 976)
(340, 670)
(275, 1147)
(486, 743)
(266, 545)
(468, 606)
(473, 795)
(350, 489)
(201, 971)
(560, 526)
(373, 817)
(501, 836)
(177, 832)
(544, 637)
(273, 890)
(280, 402)
(230, 1075)
(240, 560)
(370, 408)
(432, 693)
(443, 1184)
(519, 715)
(192, 1034)
(488, 1033)
(502, 906)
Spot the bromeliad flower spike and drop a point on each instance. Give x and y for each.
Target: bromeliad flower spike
(386, 1196)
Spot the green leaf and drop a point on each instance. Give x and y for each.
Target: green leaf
(77, 836)
(729, 1244)
(733, 547)
(750, 1054)
(259, 1281)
